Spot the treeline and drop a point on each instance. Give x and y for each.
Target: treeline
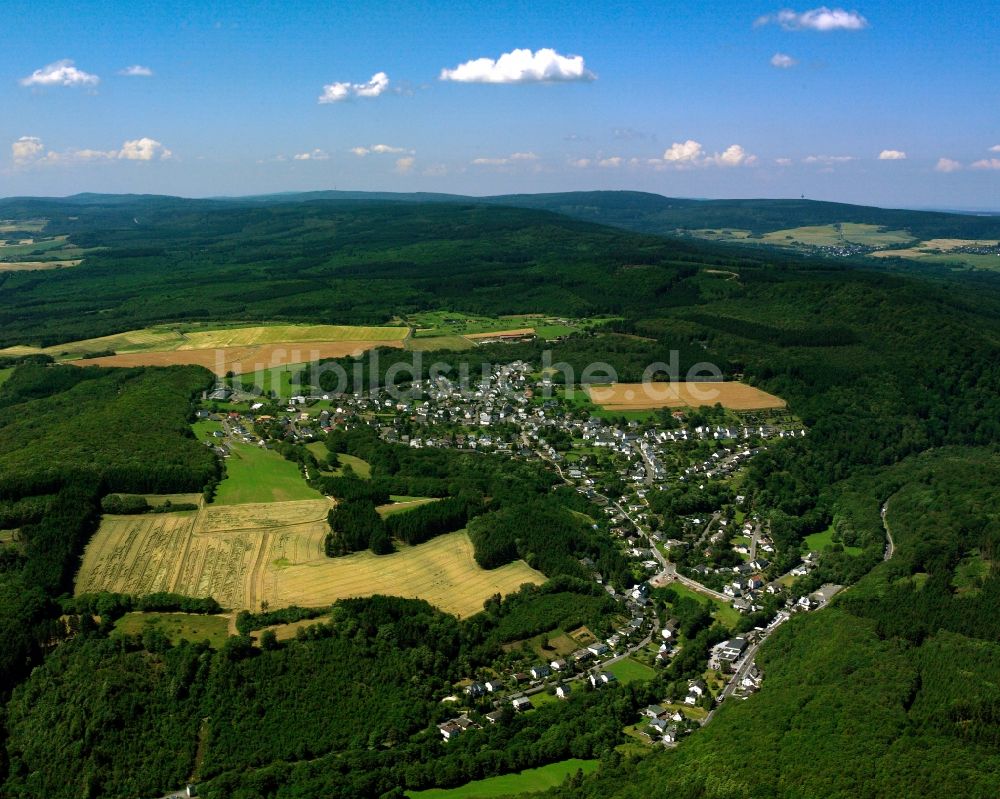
(356, 524)
(111, 606)
(247, 622)
(128, 504)
(441, 516)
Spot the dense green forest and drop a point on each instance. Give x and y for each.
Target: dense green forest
(69, 437)
(890, 690)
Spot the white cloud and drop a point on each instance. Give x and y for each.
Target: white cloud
(313, 155)
(379, 149)
(783, 61)
(580, 163)
(436, 170)
(60, 73)
(144, 149)
(688, 152)
(892, 155)
(818, 19)
(611, 163)
(26, 149)
(783, 161)
(986, 163)
(734, 155)
(338, 92)
(947, 165)
(504, 160)
(30, 150)
(405, 164)
(684, 155)
(995, 148)
(828, 160)
(136, 71)
(521, 66)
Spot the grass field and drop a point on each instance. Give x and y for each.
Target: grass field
(839, 234)
(723, 611)
(529, 781)
(400, 506)
(255, 474)
(559, 642)
(204, 428)
(361, 468)
(640, 396)
(4, 374)
(629, 670)
(190, 626)
(245, 554)
(817, 542)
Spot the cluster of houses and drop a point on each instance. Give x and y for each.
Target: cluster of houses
(665, 725)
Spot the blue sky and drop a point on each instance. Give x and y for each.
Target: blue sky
(879, 103)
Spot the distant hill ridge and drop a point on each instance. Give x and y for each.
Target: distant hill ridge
(633, 210)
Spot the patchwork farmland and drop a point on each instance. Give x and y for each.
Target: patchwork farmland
(243, 555)
(243, 349)
(643, 396)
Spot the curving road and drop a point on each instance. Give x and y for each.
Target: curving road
(890, 545)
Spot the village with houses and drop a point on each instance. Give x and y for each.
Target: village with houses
(722, 556)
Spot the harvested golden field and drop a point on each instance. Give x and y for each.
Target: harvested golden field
(934, 246)
(441, 571)
(289, 334)
(643, 396)
(243, 555)
(518, 333)
(257, 342)
(242, 360)
(35, 266)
